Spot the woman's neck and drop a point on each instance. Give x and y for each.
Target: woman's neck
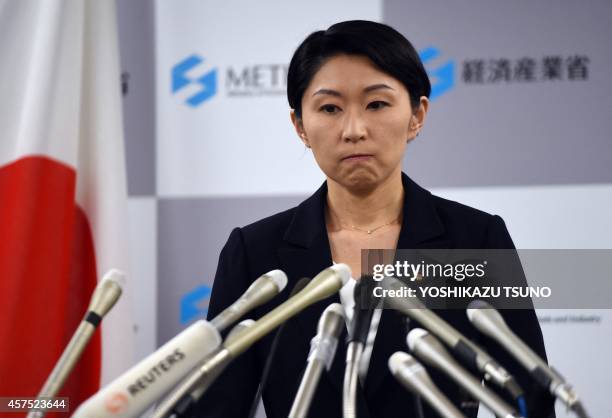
(369, 209)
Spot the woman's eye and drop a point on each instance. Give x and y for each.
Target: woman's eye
(329, 108)
(377, 105)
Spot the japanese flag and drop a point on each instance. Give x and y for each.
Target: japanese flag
(63, 204)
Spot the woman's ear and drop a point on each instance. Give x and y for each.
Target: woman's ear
(299, 128)
(417, 120)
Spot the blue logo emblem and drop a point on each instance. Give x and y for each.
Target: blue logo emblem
(442, 77)
(207, 83)
(195, 304)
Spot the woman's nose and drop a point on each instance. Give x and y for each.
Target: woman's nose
(354, 127)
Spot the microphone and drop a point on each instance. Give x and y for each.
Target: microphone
(138, 388)
(239, 328)
(428, 349)
(323, 285)
(490, 322)
(472, 354)
(413, 376)
(104, 297)
(364, 309)
(268, 365)
(169, 408)
(322, 350)
(360, 327)
(259, 292)
(186, 401)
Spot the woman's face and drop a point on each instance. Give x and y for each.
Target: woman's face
(357, 120)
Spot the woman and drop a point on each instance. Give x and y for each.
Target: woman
(358, 94)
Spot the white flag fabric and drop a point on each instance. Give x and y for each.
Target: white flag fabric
(63, 195)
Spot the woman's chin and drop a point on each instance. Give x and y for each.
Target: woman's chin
(361, 182)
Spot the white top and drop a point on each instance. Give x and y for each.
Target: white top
(347, 298)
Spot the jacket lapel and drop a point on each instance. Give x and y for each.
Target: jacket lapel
(305, 254)
(421, 228)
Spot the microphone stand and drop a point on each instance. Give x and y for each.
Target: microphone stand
(322, 350)
(418, 401)
(351, 378)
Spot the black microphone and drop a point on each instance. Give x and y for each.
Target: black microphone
(490, 322)
(364, 309)
(470, 353)
(431, 351)
(360, 328)
(273, 347)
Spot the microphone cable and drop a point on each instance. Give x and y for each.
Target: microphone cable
(522, 406)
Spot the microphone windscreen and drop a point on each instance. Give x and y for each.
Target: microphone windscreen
(397, 360)
(335, 308)
(344, 271)
(279, 278)
(116, 276)
(479, 304)
(414, 336)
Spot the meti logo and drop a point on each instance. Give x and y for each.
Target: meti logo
(206, 84)
(192, 304)
(443, 76)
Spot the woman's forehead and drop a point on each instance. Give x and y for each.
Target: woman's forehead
(351, 73)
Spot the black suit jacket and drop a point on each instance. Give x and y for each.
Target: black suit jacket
(296, 241)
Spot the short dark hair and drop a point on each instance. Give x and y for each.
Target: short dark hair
(384, 46)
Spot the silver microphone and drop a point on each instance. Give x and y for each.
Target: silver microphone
(428, 349)
(490, 322)
(259, 292)
(322, 350)
(238, 329)
(323, 285)
(104, 297)
(197, 393)
(413, 376)
(360, 328)
(241, 326)
(462, 346)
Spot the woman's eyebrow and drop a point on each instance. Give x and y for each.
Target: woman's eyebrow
(327, 91)
(377, 87)
(368, 89)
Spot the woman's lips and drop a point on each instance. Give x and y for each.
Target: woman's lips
(357, 157)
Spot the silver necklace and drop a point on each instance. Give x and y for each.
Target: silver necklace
(371, 231)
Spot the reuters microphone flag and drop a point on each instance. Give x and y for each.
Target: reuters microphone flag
(63, 198)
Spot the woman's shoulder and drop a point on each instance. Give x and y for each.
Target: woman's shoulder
(274, 224)
(267, 231)
(453, 209)
(445, 209)
(296, 225)
(461, 220)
